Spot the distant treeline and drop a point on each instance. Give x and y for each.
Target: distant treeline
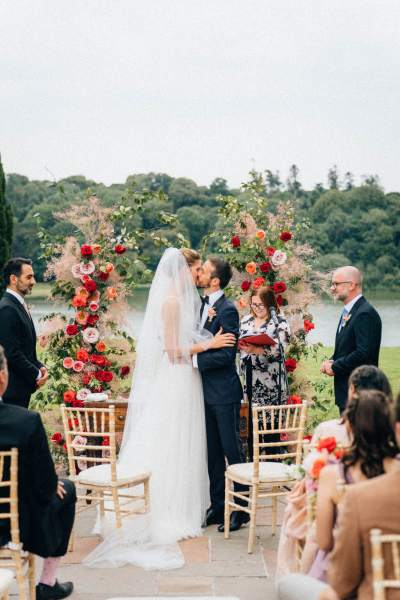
(349, 224)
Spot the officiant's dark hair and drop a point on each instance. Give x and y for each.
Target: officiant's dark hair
(222, 270)
(14, 267)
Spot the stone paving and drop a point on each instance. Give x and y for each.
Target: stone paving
(214, 567)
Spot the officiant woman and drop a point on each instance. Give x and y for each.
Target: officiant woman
(263, 367)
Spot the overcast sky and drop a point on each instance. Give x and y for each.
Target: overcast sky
(200, 88)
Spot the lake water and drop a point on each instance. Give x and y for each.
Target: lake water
(326, 317)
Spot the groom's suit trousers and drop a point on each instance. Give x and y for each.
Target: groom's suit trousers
(223, 440)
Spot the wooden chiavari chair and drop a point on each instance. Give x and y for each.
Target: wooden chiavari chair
(267, 476)
(12, 555)
(380, 582)
(103, 483)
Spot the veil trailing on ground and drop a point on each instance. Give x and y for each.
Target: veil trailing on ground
(164, 431)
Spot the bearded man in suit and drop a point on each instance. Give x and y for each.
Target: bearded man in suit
(359, 332)
(17, 334)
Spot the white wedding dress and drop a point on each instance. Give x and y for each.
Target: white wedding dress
(165, 429)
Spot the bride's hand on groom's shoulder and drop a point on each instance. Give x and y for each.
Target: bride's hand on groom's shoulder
(223, 340)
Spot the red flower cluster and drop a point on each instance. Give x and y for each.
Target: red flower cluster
(106, 441)
(103, 276)
(98, 359)
(328, 443)
(285, 236)
(308, 325)
(90, 285)
(235, 241)
(120, 249)
(271, 250)
(69, 396)
(125, 370)
(279, 300)
(57, 438)
(294, 399)
(279, 287)
(246, 285)
(86, 250)
(265, 267)
(290, 364)
(82, 355)
(71, 329)
(105, 376)
(258, 282)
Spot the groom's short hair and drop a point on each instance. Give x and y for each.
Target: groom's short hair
(14, 267)
(222, 270)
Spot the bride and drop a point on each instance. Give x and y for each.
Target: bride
(165, 425)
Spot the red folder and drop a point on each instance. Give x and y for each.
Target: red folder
(260, 339)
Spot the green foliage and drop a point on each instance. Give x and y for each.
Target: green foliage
(6, 223)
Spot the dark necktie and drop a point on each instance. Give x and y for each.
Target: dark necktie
(204, 301)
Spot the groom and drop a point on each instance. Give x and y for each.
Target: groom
(222, 389)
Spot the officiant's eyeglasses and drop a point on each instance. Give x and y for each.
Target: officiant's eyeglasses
(257, 306)
(334, 284)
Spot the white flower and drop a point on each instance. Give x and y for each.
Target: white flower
(76, 271)
(82, 394)
(87, 268)
(82, 465)
(78, 442)
(90, 335)
(278, 258)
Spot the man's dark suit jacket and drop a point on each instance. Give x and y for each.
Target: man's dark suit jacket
(221, 383)
(18, 338)
(37, 480)
(357, 343)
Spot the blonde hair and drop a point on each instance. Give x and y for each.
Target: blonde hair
(191, 256)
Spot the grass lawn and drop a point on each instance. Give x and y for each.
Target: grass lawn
(325, 407)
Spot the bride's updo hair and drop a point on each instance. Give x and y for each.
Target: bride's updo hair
(191, 256)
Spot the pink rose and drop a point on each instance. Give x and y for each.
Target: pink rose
(76, 271)
(82, 394)
(87, 268)
(90, 335)
(68, 362)
(94, 306)
(78, 366)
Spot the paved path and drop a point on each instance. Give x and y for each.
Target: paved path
(214, 567)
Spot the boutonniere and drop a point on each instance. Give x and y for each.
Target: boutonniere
(346, 319)
(211, 314)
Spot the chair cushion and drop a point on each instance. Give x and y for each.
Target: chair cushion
(101, 475)
(269, 471)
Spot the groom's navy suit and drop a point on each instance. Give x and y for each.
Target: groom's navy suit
(222, 395)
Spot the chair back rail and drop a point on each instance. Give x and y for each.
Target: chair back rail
(287, 421)
(93, 424)
(380, 582)
(10, 458)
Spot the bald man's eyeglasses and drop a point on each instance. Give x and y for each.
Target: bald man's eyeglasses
(334, 284)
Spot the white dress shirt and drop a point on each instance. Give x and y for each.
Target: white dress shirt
(350, 304)
(212, 299)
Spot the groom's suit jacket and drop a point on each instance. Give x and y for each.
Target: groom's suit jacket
(357, 343)
(18, 338)
(221, 383)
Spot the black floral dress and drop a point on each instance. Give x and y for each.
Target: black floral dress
(263, 369)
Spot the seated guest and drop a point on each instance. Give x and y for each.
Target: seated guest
(366, 377)
(46, 504)
(372, 452)
(374, 503)
(263, 368)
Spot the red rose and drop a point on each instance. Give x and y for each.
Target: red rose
(308, 325)
(283, 437)
(265, 267)
(57, 438)
(270, 250)
(82, 355)
(107, 376)
(71, 329)
(258, 282)
(106, 441)
(78, 404)
(73, 423)
(86, 250)
(279, 300)
(235, 241)
(86, 378)
(103, 276)
(293, 399)
(99, 375)
(125, 370)
(328, 443)
(317, 467)
(69, 396)
(279, 287)
(246, 285)
(290, 364)
(285, 236)
(120, 249)
(92, 319)
(307, 438)
(90, 285)
(99, 360)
